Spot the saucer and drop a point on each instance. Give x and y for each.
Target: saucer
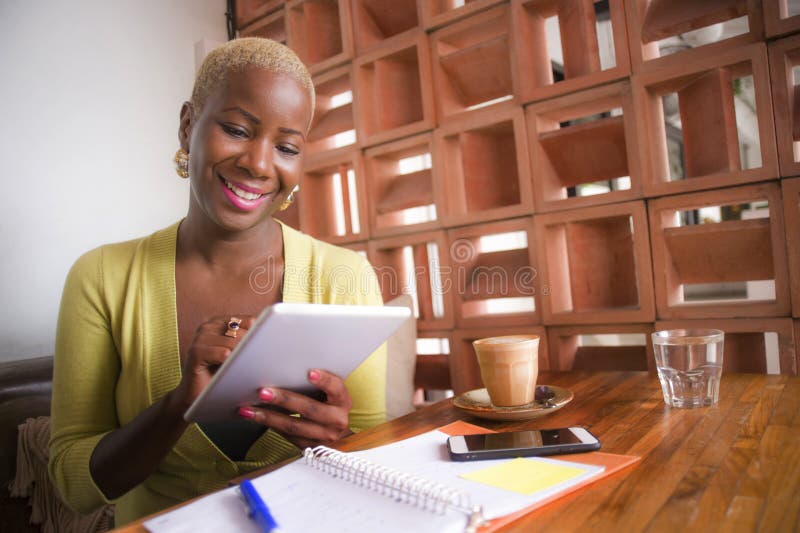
(549, 398)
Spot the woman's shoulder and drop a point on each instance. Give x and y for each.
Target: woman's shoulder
(119, 256)
(319, 253)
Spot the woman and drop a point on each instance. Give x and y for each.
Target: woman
(143, 323)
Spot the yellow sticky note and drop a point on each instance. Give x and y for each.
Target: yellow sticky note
(524, 476)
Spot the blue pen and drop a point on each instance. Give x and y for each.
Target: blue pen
(258, 510)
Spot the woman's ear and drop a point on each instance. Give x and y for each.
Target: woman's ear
(186, 124)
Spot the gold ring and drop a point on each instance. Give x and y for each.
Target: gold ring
(233, 326)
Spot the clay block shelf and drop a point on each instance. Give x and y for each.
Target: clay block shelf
(728, 251)
(589, 152)
(465, 374)
(485, 280)
(248, 11)
(402, 258)
(272, 26)
(320, 32)
(594, 265)
(705, 95)
(377, 21)
(582, 67)
(327, 209)
(472, 63)
(331, 119)
(751, 343)
(432, 370)
(791, 210)
(393, 91)
(651, 21)
(784, 57)
(401, 198)
(778, 19)
(437, 13)
(568, 352)
(482, 159)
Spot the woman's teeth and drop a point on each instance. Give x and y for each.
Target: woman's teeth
(242, 193)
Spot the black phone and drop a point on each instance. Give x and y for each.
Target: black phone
(521, 443)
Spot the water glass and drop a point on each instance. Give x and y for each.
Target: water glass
(689, 363)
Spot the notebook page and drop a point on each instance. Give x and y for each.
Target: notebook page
(304, 499)
(426, 456)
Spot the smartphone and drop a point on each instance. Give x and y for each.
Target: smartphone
(521, 443)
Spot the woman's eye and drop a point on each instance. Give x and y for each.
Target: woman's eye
(233, 130)
(288, 150)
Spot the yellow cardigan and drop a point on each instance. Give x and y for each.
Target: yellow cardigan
(117, 353)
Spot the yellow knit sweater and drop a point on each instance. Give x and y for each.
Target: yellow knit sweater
(117, 353)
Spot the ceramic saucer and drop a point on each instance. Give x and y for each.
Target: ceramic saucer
(549, 398)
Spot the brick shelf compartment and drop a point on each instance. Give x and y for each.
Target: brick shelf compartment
(392, 192)
(271, 26)
(321, 207)
(650, 21)
(482, 160)
(471, 62)
(595, 265)
(482, 278)
(394, 268)
(778, 20)
(784, 56)
(728, 251)
(375, 22)
(330, 121)
(746, 343)
(567, 352)
(600, 150)
(580, 49)
(704, 88)
(320, 32)
(433, 370)
(465, 374)
(436, 13)
(791, 211)
(393, 91)
(248, 11)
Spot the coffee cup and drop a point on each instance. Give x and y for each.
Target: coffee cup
(509, 368)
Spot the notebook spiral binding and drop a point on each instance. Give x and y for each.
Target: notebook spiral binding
(395, 484)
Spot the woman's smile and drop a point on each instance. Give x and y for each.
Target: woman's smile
(241, 196)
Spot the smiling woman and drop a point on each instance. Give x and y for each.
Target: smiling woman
(143, 323)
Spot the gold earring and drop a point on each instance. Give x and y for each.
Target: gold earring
(181, 160)
(289, 199)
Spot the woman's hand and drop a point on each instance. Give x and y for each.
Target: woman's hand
(318, 423)
(208, 350)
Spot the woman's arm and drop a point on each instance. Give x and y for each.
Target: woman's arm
(92, 459)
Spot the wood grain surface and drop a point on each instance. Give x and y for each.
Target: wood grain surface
(731, 467)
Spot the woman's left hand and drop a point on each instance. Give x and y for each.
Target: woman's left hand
(318, 423)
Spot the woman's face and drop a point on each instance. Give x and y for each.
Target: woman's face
(245, 147)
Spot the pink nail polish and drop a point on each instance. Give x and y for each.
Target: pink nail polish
(266, 394)
(246, 412)
(313, 375)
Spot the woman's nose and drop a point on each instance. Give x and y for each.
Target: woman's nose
(257, 159)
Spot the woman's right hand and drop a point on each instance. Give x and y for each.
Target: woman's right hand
(209, 348)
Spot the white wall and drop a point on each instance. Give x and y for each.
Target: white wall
(89, 98)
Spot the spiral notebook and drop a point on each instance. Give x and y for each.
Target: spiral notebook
(409, 485)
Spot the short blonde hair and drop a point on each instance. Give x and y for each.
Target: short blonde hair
(244, 53)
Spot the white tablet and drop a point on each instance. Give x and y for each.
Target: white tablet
(285, 343)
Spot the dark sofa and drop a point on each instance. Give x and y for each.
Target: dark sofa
(25, 390)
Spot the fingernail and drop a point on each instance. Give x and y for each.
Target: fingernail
(246, 412)
(266, 394)
(313, 375)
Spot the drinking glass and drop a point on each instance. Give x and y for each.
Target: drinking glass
(689, 363)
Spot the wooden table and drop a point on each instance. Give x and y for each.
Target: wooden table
(732, 467)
